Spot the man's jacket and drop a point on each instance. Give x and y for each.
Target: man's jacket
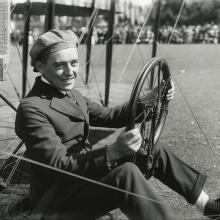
(55, 129)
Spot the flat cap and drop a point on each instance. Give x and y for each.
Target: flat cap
(52, 41)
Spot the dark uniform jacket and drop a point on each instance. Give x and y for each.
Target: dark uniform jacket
(55, 130)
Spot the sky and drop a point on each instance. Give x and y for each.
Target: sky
(141, 2)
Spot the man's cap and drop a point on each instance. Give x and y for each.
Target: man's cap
(52, 41)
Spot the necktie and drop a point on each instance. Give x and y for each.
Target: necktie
(69, 94)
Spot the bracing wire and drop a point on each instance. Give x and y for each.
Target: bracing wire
(14, 168)
(81, 177)
(182, 93)
(92, 23)
(176, 22)
(135, 44)
(91, 19)
(11, 143)
(99, 50)
(101, 99)
(10, 78)
(145, 21)
(13, 85)
(196, 120)
(19, 53)
(30, 161)
(106, 41)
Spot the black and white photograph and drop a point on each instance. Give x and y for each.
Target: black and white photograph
(109, 109)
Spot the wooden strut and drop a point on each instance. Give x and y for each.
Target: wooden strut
(156, 32)
(109, 47)
(25, 46)
(88, 43)
(49, 16)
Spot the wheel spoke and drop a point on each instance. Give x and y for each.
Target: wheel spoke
(148, 105)
(142, 114)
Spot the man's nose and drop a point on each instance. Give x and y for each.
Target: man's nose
(69, 69)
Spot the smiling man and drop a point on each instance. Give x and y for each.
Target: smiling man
(64, 71)
(53, 121)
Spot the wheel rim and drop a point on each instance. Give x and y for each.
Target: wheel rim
(149, 83)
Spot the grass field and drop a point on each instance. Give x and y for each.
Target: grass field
(196, 72)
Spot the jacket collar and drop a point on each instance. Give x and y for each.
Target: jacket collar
(59, 102)
(66, 106)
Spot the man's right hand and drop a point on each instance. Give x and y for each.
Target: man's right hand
(126, 144)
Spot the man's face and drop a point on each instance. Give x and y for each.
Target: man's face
(61, 68)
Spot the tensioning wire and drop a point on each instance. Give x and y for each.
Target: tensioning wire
(82, 177)
(135, 44)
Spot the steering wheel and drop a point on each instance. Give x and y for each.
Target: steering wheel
(148, 108)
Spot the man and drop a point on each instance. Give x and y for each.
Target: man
(53, 121)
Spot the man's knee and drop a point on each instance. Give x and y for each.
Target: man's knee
(129, 167)
(129, 171)
(160, 149)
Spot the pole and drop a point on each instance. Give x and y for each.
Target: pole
(109, 51)
(154, 48)
(25, 46)
(49, 16)
(156, 27)
(88, 43)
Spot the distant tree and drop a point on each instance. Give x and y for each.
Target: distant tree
(194, 11)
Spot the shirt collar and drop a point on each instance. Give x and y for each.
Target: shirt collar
(44, 80)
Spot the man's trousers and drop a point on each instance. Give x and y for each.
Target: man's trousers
(90, 200)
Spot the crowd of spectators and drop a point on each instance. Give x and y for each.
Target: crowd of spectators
(206, 34)
(127, 34)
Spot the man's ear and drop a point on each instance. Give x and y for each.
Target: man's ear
(39, 66)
